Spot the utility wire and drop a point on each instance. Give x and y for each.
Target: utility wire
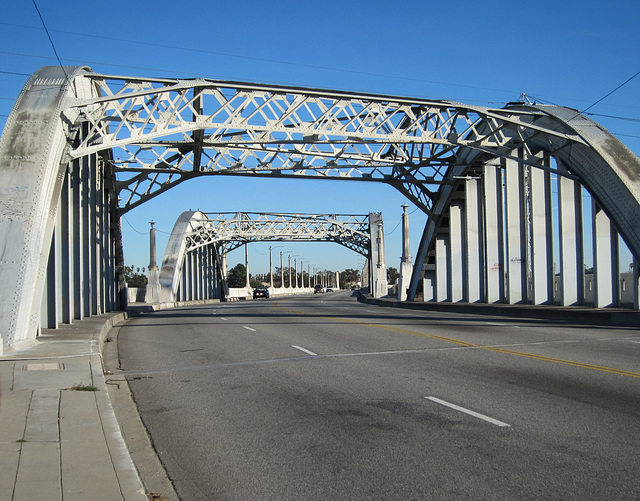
(266, 60)
(49, 37)
(15, 73)
(138, 232)
(614, 90)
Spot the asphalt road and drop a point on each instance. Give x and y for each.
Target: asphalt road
(321, 397)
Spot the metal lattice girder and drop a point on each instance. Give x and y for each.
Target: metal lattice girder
(225, 231)
(231, 230)
(164, 131)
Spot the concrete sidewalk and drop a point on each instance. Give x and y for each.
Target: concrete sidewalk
(57, 442)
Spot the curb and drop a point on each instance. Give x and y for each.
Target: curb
(575, 314)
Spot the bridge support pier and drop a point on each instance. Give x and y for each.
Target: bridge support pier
(406, 267)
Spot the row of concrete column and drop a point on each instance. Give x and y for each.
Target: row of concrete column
(201, 275)
(498, 245)
(81, 279)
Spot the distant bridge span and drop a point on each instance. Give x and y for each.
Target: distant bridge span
(77, 142)
(194, 263)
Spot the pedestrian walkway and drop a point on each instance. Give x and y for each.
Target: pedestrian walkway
(59, 438)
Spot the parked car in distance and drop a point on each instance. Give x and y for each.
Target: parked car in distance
(260, 292)
(329, 289)
(318, 288)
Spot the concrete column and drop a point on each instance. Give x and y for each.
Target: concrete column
(223, 255)
(442, 269)
(636, 284)
(541, 237)
(474, 247)
(456, 251)
(428, 285)
(380, 279)
(406, 267)
(605, 260)
(152, 294)
(516, 233)
(281, 271)
(65, 210)
(571, 252)
(493, 234)
(290, 282)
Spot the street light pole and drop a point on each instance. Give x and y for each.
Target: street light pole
(281, 271)
(271, 267)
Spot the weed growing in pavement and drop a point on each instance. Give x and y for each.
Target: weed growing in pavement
(83, 387)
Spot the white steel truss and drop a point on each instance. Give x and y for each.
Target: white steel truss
(230, 230)
(164, 131)
(192, 267)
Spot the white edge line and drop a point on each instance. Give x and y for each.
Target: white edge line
(308, 352)
(248, 328)
(467, 411)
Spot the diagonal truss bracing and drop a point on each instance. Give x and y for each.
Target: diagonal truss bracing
(163, 131)
(231, 230)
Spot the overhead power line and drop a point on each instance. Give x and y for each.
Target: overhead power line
(50, 40)
(614, 90)
(15, 73)
(266, 60)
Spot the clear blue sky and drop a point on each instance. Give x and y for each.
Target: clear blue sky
(570, 53)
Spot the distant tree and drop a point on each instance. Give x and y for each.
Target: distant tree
(237, 276)
(392, 274)
(349, 277)
(134, 277)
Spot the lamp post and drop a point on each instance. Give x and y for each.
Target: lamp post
(296, 279)
(281, 271)
(271, 268)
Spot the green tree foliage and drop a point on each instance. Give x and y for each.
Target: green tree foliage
(134, 277)
(349, 277)
(237, 276)
(392, 275)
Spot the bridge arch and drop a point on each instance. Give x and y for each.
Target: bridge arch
(127, 138)
(194, 263)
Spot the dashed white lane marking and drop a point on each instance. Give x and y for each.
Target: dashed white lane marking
(470, 412)
(222, 318)
(308, 352)
(248, 328)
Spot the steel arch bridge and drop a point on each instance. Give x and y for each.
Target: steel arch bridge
(194, 264)
(80, 149)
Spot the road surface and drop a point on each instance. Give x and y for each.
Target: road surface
(322, 397)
